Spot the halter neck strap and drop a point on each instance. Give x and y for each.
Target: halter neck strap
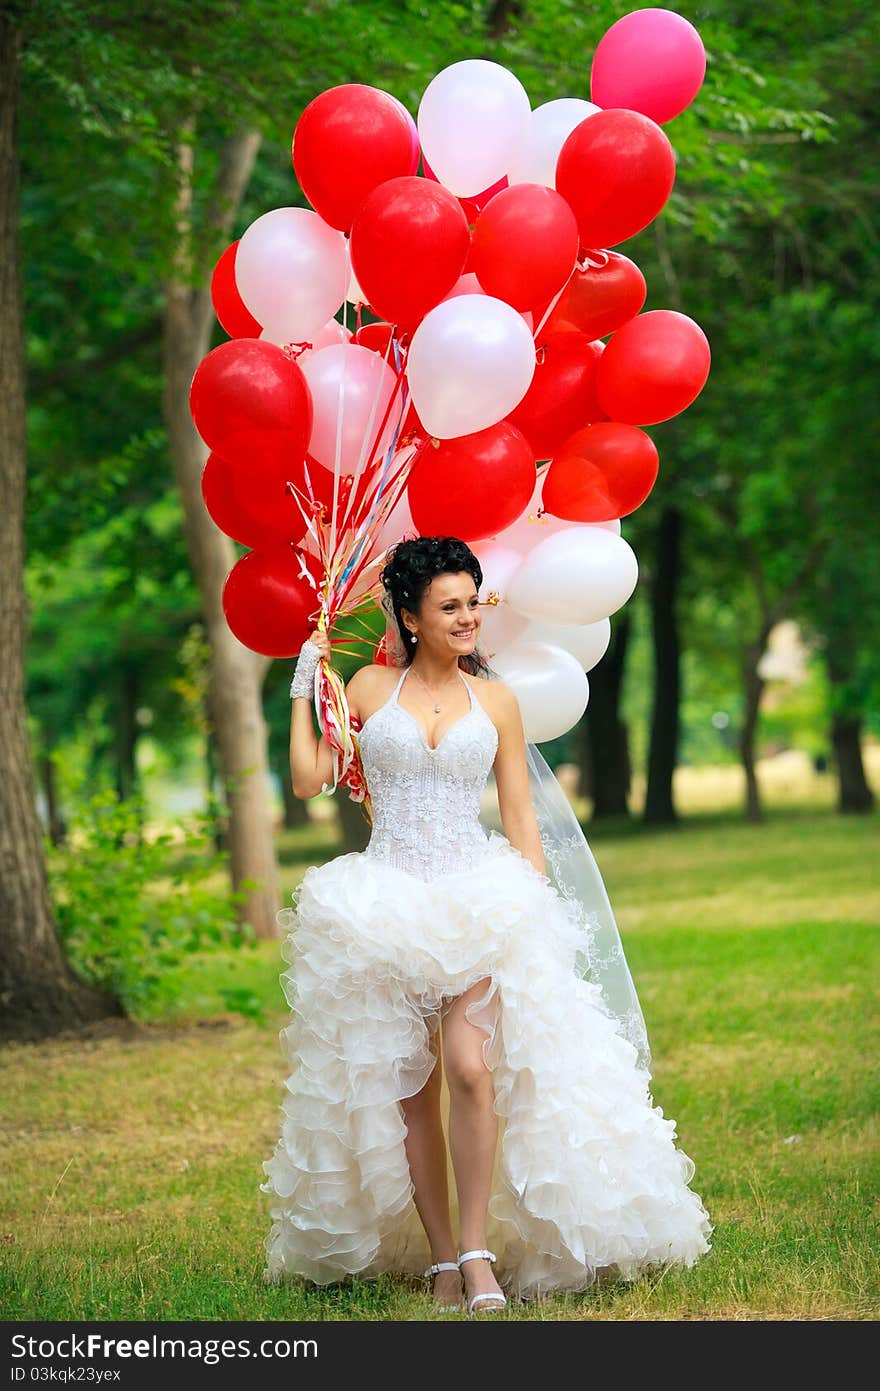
(467, 685)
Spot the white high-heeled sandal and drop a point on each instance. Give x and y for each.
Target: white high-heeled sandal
(435, 1270)
(498, 1300)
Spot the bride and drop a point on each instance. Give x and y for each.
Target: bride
(446, 946)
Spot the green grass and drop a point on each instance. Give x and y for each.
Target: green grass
(132, 1156)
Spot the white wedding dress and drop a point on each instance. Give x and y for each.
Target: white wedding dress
(587, 1176)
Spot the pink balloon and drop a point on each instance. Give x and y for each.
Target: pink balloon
(466, 284)
(332, 332)
(291, 271)
(471, 360)
(651, 61)
(350, 388)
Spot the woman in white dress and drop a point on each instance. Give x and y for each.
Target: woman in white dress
(443, 940)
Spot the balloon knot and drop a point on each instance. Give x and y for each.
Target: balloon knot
(593, 257)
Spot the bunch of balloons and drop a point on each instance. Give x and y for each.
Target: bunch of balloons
(500, 389)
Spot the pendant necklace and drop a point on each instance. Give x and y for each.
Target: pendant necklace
(437, 705)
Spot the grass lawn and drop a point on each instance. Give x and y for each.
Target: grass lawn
(132, 1156)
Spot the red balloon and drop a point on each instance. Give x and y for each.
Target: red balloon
(376, 337)
(349, 140)
(598, 299)
(249, 400)
(525, 245)
(268, 604)
(247, 507)
(562, 396)
(653, 368)
(409, 243)
(229, 306)
(472, 486)
(601, 473)
(616, 170)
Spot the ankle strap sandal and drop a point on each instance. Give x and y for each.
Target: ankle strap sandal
(435, 1270)
(490, 1299)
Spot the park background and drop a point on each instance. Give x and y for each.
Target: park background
(726, 769)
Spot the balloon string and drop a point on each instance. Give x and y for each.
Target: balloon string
(553, 303)
(340, 406)
(362, 466)
(374, 495)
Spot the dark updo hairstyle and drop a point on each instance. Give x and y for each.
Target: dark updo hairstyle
(410, 566)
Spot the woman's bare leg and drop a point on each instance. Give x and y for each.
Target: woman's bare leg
(473, 1133)
(426, 1153)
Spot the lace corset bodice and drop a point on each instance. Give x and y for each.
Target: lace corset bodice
(426, 802)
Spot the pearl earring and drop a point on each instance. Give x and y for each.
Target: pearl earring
(413, 637)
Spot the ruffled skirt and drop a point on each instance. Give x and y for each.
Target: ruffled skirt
(587, 1177)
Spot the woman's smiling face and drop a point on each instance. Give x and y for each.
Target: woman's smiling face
(449, 615)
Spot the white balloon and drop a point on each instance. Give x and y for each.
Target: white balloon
(500, 626)
(473, 118)
(588, 642)
(291, 271)
(576, 576)
(550, 126)
(550, 685)
(470, 362)
(497, 562)
(365, 385)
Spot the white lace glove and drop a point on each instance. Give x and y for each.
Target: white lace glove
(303, 683)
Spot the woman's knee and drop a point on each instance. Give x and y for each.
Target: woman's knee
(466, 1070)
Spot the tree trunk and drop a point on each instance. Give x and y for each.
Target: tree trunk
(770, 612)
(57, 826)
(841, 662)
(854, 793)
(753, 686)
(603, 744)
(236, 677)
(39, 995)
(663, 751)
